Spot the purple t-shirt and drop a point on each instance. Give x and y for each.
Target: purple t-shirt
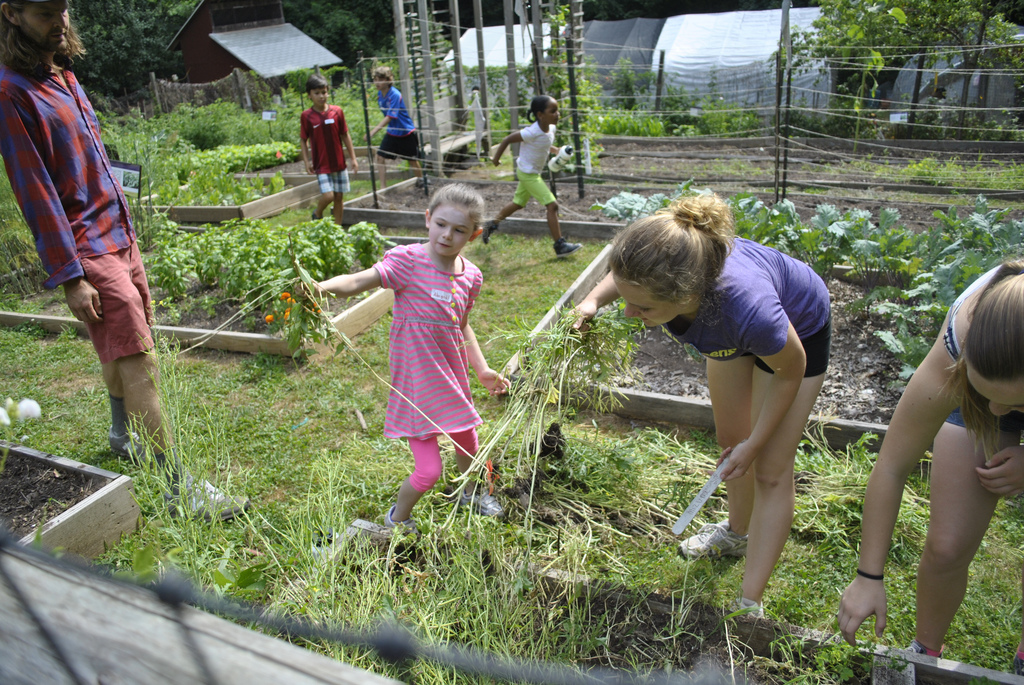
(759, 292)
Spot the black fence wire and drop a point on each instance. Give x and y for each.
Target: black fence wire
(392, 642)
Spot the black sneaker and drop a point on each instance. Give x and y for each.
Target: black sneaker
(314, 217)
(1018, 664)
(563, 248)
(489, 228)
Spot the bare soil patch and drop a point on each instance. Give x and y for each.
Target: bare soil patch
(31, 493)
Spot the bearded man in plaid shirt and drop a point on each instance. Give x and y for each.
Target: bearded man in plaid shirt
(79, 218)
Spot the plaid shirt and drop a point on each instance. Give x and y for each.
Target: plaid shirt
(50, 142)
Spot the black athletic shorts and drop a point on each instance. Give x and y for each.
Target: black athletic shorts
(817, 347)
(402, 147)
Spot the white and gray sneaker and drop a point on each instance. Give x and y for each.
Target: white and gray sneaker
(748, 607)
(485, 504)
(127, 445)
(714, 540)
(408, 525)
(201, 498)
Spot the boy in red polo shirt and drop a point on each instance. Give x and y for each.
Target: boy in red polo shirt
(322, 128)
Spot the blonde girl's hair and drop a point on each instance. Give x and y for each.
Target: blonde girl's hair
(22, 55)
(679, 251)
(994, 348)
(382, 73)
(460, 195)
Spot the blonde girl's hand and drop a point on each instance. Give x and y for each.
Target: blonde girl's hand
(584, 312)
(493, 381)
(741, 456)
(1003, 474)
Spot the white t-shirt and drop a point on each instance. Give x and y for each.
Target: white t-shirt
(533, 152)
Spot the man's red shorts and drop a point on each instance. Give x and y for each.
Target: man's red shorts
(124, 297)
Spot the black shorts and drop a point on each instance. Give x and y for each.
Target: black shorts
(402, 147)
(817, 347)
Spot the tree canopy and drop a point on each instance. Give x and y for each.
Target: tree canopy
(127, 39)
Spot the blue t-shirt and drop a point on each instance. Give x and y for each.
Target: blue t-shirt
(759, 292)
(392, 105)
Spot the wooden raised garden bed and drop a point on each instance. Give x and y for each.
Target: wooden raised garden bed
(257, 209)
(351, 322)
(95, 523)
(687, 411)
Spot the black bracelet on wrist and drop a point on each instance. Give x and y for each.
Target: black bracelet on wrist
(869, 576)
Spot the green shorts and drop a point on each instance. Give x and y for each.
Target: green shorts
(532, 185)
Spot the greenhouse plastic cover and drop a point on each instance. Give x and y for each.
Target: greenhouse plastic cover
(495, 54)
(726, 53)
(633, 40)
(731, 53)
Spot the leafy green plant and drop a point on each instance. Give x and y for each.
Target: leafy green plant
(235, 158)
(631, 123)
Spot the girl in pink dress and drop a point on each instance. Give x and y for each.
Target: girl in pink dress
(432, 344)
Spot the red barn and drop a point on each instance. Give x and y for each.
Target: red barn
(222, 35)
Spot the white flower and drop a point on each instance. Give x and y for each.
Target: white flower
(28, 409)
(5, 420)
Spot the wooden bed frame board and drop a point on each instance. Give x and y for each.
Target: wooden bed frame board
(351, 322)
(257, 209)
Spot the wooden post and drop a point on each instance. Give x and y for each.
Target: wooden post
(661, 81)
(574, 105)
(459, 116)
(513, 79)
(155, 87)
(915, 98)
(432, 134)
(478, 23)
(402, 48)
(538, 47)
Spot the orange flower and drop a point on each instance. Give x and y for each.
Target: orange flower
(279, 155)
(269, 318)
(291, 300)
(286, 296)
(287, 312)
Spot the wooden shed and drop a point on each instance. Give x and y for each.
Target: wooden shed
(222, 35)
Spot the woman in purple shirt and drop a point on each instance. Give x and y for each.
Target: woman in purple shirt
(763, 322)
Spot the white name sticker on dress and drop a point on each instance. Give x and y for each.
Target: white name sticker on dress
(328, 121)
(441, 295)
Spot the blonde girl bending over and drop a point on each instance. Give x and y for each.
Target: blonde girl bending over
(762, 321)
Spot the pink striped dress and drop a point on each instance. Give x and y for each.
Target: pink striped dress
(428, 351)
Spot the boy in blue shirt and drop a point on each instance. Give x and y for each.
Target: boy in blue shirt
(400, 139)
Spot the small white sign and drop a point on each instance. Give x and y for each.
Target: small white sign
(129, 176)
(270, 115)
(897, 117)
(695, 111)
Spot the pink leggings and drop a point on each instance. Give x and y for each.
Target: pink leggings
(426, 454)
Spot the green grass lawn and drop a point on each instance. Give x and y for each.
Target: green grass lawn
(287, 435)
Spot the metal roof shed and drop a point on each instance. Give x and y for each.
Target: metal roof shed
(275, 50)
